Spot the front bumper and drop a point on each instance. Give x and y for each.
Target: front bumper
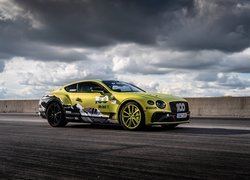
(170, 118)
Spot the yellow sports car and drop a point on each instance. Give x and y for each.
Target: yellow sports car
(97, 101)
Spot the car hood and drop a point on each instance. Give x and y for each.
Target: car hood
(158, 96)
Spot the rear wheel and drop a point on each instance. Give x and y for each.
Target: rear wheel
(55, 115)
(131, 116)
(169, 126)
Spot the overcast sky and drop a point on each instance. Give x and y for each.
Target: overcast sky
(189, 48)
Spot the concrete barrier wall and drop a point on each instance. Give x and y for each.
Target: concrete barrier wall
(18, 106)
(232, 107)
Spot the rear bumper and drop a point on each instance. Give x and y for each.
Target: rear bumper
(42, 114)
(41, 111)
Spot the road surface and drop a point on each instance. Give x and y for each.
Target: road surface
(203, 149)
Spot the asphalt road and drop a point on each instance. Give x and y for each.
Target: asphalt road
(203, 149)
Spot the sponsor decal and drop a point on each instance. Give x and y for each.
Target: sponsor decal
(101, 99)
(180, 107)
(90, 112)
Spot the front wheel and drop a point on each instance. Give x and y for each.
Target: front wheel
(131, 116)
(55, 115)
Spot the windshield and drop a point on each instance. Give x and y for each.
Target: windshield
(122, 86)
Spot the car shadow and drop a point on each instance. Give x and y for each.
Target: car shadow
(156, 129)
(96, 126)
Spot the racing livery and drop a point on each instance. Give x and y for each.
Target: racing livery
(97, 101)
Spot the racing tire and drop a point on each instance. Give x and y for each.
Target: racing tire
(55, 115)
(169, 126)
(131, 116)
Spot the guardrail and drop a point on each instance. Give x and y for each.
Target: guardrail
(230, 107)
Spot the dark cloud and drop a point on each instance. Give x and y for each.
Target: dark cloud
(15, 41)
(2, 64)
(31, 28)
(222, 27)
(182, 24)
(42, 29)
(101, 23)
(206, 76)
(189, 60)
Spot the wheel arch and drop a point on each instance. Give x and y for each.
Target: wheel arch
(51, 116)
(127, 101)
(53, 99)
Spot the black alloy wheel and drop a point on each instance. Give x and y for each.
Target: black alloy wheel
(55, 115)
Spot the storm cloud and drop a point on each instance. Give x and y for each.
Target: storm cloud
(181, 25)
(206, 44)
(101, 23)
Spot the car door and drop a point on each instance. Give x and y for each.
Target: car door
(92, 95)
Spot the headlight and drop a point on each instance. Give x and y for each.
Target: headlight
(160, 104)
(150, 102)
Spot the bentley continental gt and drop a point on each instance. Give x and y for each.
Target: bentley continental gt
(99, 101)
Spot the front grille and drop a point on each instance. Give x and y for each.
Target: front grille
(180, 106)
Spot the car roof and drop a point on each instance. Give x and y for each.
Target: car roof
(88, 80)
(85, 80)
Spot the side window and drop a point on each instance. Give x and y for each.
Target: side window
(71, 88)
(88, 87)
